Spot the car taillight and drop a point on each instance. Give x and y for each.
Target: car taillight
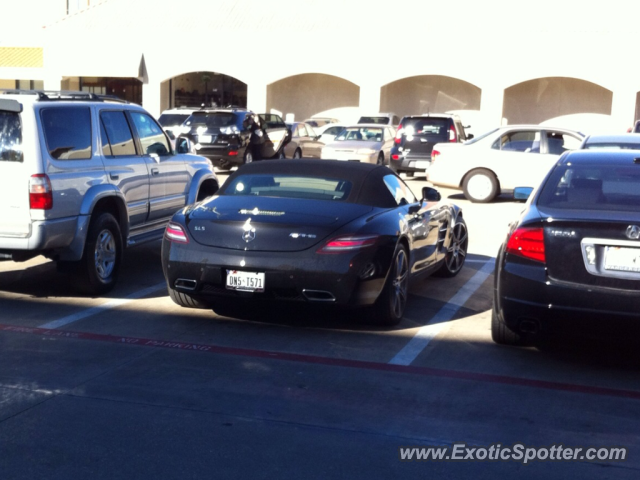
(175, 233)
(398, 138)
(453, 138)
(233, 152)
(434, 154)
(395, 156)
(40, 192)
(348, 243)
(528, 243)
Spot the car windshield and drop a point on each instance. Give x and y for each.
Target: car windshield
(480, 137)
(213, 119)
(172, 119)
(379, 120)
(289, 186)
(593, 187)
(364, 134)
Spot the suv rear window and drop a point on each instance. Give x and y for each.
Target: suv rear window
(593, 187)
(10, 137)
(378, 120)
(435, 128)
(172, 119)
(212, 119)
(67, 131)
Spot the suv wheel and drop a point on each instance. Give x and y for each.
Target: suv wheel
(100, 264)
(297, 153)
(380, 158)
(480, 186)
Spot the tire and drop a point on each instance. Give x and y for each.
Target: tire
(457, 250)
(503, 335)
(297, 154)
(409, 174)
(248, 157)
(380, 159)
(389, 307)
(97, 272)
(281, 154)
(186, 300)
(480, 186)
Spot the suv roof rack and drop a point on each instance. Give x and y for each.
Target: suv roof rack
(53, 95)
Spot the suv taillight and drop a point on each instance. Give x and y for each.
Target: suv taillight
(528, 243)
(453, 137)
(398, 138)
(40, 192)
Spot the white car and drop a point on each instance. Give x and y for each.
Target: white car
(367, 143)
(502, 159)
(171, 120)
(624, 141)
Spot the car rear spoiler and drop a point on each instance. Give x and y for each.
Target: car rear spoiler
(9, 105)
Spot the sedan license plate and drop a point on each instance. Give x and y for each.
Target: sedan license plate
(245, 281)
(622, 259)
(205, 138)
(342, 156)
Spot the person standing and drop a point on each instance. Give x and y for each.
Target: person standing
(253, 123)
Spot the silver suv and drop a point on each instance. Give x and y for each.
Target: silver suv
(83, 176)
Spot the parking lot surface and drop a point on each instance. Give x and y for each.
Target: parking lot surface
(131, 384)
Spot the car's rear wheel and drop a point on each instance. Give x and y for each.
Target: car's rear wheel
(380, 158)
(186, 300)
(480, 186)
(503, 335)
(389, 307)
(97, 272)
(297, 153)
(457, 250)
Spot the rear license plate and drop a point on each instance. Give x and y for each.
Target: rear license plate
(245, 281)
(622, 259)
(206, 138)
(342, 156)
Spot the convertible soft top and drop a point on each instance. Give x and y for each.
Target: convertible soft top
(367, 182)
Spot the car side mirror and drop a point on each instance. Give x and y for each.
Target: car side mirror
(184, 145)
(430, 194)
(522, 193)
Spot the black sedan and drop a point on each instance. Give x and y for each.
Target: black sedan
(571, 263)
(314, 231)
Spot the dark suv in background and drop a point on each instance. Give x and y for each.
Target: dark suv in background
(219, 135)
(416, 136)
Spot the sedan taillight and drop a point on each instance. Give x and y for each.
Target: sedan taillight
(175, 233)
(528, 243)
(40, 192)
(348, 243)
(434, 155)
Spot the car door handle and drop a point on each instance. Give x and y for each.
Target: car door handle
(114, 176)
(155, 171)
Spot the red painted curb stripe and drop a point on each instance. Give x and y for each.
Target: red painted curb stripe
(337, 362)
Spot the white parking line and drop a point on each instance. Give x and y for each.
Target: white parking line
(116, 302)
(441, 320)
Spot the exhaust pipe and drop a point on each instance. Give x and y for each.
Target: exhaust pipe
(185, 284)
(318, 295)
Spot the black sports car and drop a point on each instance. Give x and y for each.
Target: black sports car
(571, 263)
(316, 231)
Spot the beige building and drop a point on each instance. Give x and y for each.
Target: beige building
(492, 62)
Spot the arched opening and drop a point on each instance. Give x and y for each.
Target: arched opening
(313, 94)
(129, 89)
(556, 98)
(429, 93)
(210, 89)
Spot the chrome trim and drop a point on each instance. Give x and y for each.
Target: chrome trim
(600, 244)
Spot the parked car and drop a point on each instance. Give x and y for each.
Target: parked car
(611, 142)
(83, 176)
(304, 142)
(172, 119)
(635, 128)
(329, 132)
(220, 136)
(571, 262)
(362, 143)
(312, 231)
(502, 159)
(380, 119)
(416, 136)
(316, 122)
